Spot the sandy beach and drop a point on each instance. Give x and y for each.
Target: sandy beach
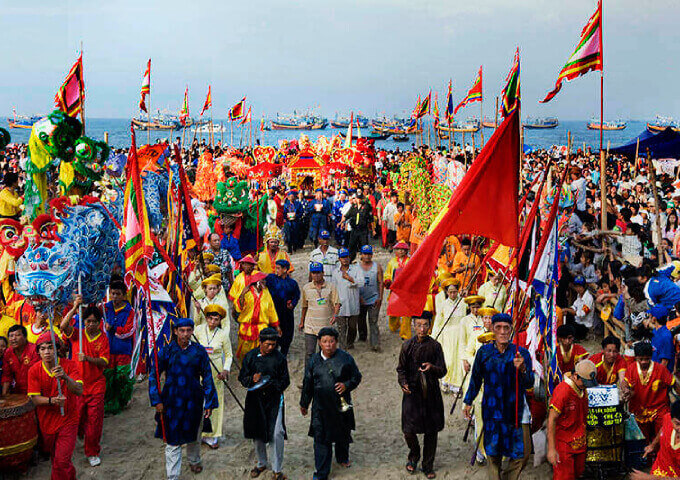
(130, 451)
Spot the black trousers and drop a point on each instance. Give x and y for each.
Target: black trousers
(429, 449)
(323, 456)
(287, 324)
(357, 239)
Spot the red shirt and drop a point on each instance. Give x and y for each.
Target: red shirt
(567, 363)
(608, 376)
(97, 347)
(572, 408)
(16, 368)
(650, 392)
(42, 382)
(667, 463)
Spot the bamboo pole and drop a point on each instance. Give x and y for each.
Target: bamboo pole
(450, 135)
(464, 149)
(495, 122)
(82, 108)
(474, 152)
(652, 179)
(637, 151)
(222, 135)
(481, 121)
(603, 160)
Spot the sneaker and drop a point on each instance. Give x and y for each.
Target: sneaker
(94, 461)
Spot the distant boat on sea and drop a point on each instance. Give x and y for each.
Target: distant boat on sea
(374, 135)
(298, 122)
(205, 128)
(662, 123)
(395, 126)
(488, 123)
(471, 125)
(23, 121)
(612, 125)
(343, 122)
(541, 123)
(160, 121)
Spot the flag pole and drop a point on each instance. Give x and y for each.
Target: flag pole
(212, 131)
(82, 97)
(148, 111)
(231, 131)
(481, 118)
(603, 169)
(495, 121)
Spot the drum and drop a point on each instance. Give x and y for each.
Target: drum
(18, 431)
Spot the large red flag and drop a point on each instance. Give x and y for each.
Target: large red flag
(485, 204)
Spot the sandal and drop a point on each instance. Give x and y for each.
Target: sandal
(280, 476)
(411, 467)
(196, 468)
(255, 472)
(430, 475)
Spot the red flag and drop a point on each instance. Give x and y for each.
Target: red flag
(485, 204)
(71, 95)
(208, 102)
(248, 117)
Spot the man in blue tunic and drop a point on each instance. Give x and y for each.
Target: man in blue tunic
(503, 367)
(188, 397)
(292, 216)
(337, 215)
(319, 210)
(286, 294)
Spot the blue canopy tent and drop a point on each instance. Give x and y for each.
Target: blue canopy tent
(665, 144)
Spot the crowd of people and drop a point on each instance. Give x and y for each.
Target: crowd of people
(616, 309)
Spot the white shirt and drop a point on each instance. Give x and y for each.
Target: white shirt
(585, 309)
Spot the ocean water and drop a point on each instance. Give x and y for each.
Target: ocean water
(119, 134)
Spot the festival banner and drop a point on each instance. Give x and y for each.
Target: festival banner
(448, 113)
(474, 94)
(184, 112)
(71, 95)
(422, 108)
(236, 112)
(485, 204)
(248, 116)
(586, 57)
(208, 102)
(510, 96)
(146, 87)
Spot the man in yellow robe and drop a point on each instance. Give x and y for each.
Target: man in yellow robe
(256, 310)
(266, 259)
(247, 266)
(394, 266)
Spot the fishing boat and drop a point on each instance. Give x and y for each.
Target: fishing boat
(298, 122)
(467, 127)
(662, 123)
(23, 121)
(612, 125)
(343, 122)
(374, 135)
(402, 137)
(160, 121)
(486, 123)
(396, 126)
(541, 123)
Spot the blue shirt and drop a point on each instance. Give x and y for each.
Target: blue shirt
(282, 290)
(663, 347)
(230, 243)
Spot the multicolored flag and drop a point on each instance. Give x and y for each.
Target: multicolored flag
(474, 94)
(586, 57)
(71, 95)
(262, 125)
(422, 108)
(146, 87)
(184, 112)
(208, 102)
(137, 241)
(448, 113)
(236, 112)
(510, 96)
(248, 117)
(435, 111)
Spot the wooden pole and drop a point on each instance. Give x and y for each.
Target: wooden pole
(652, 179)
(464, 149)
(82, 119)
(474, 154)
(450, 135)
(222, 135)
(212, 132)
(481, 121)
(637, 151)
(603, 160)
(495, 122)
(148, 117)
(231, 133)
(106, 137)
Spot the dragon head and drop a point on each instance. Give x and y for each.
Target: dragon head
(46, 275)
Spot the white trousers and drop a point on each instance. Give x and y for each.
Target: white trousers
(276, 445)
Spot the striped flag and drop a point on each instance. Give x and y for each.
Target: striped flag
(146, 87)
(184, 112)
(586, 57)
(236, 112)
(71, 95)
(137, 241)
(474, 94)
(208, 102)
(248, 117)
(510, 96)
(422, 108)
(448, 113)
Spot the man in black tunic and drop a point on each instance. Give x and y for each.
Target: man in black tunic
(264, 420)
(330, 376)
(421, 365)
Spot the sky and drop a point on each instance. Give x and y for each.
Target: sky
(370, 56)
